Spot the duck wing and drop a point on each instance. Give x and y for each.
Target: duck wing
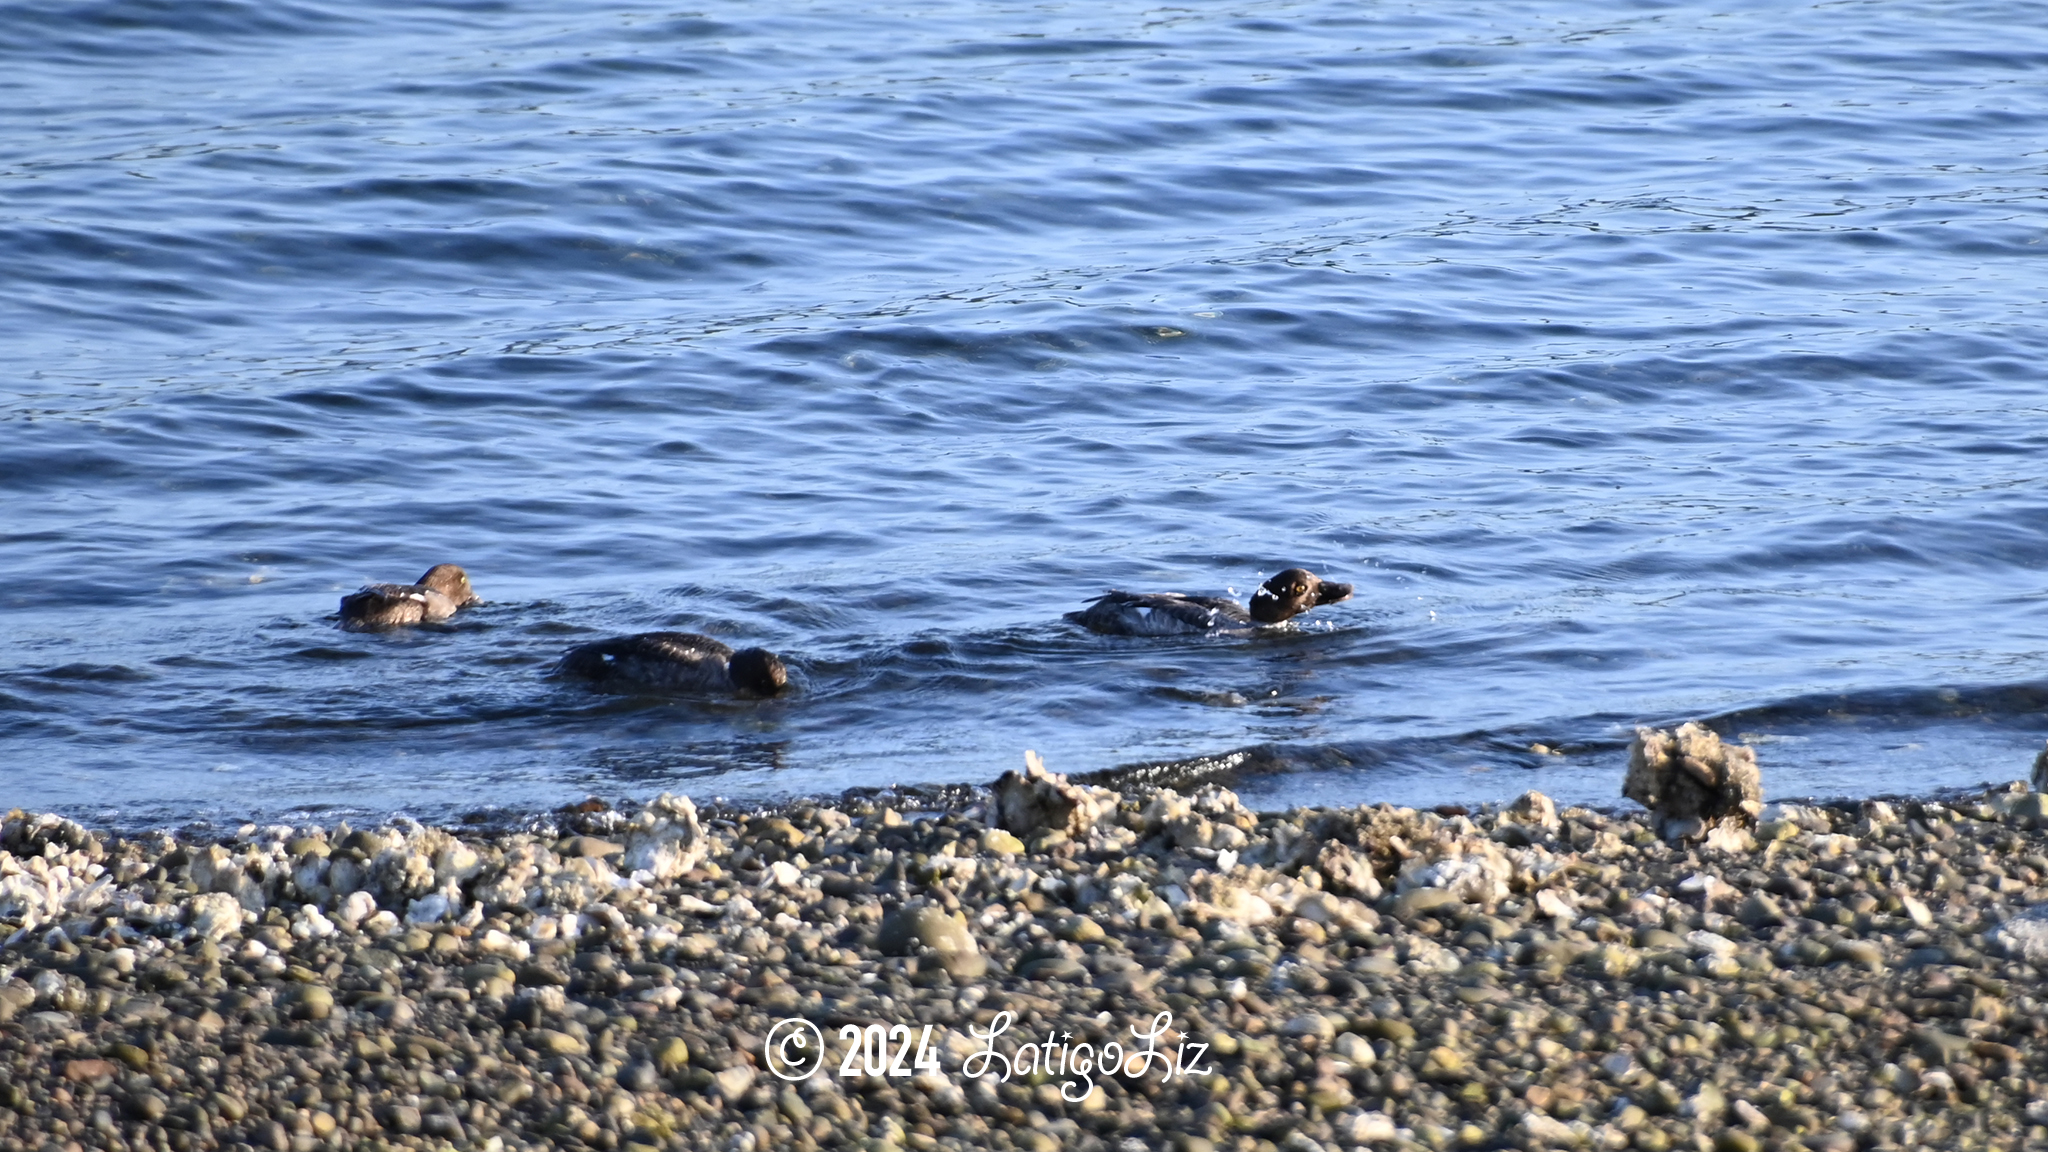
(387, 605)
(1159, 614)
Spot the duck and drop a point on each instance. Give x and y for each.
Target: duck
(433, 598)
(676, 662)
(1285, 596)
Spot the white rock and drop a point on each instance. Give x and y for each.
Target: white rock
(1475, 869)
(1370, 1128)
(1692, 782)
(1356, 1049)
(666, 839)
(2024, 936)
(1035, 800)
(499, 944)
(1428, 955)
(1534, 809)
(1705, 943)
(428, 909)
(1310, 1024)
(215, 915)
(355, 908)
(1549, 1132)
(309, 924)
(1554, 904)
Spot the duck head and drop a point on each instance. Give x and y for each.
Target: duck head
(1293, 592)
(758, 671)
(450, 581)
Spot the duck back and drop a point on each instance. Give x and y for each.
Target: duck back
(1160, 614)
(391, 605)
(663, 661)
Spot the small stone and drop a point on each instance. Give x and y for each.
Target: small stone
(672, 1055)
(587, 847)
(1399, 1033)
(1079, 929)
(1310, 1024)
(1534, 808)
(778, 830)
(86, 1071)
(1708, 1104)
(1943, 1047)
(1611, 960)
(1057, 968)
(1368, 1128)
(1417, 901)
(2024, 936)
(734, 1081)
(132, 1056)
(402, 1118)
(312, 1002)
(907, 928)
(964, 965)
(997, 840)
(1357, 1050)
(1443, 1063)
(557, 1043)
(1759, 911)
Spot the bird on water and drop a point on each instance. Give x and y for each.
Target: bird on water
(1282, 598)
(676, 662)
(435, 597)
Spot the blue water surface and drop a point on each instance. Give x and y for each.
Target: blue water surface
(1637, 361)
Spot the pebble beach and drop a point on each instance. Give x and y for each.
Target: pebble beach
(1835, 976)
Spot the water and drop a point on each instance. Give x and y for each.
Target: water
(1638, 362)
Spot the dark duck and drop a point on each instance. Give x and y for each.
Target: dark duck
(1172, 614)
(435, 598)
(676, 662)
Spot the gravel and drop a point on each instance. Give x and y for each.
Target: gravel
(1839, 976)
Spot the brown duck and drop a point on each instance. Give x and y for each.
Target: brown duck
(443, 589)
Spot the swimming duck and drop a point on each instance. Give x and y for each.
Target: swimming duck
(436, 596)
(1171, 614)
(676, 662)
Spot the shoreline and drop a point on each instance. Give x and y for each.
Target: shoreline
(1844, 975)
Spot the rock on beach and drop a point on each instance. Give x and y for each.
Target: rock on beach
(1694, 784)
(1856, 976)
